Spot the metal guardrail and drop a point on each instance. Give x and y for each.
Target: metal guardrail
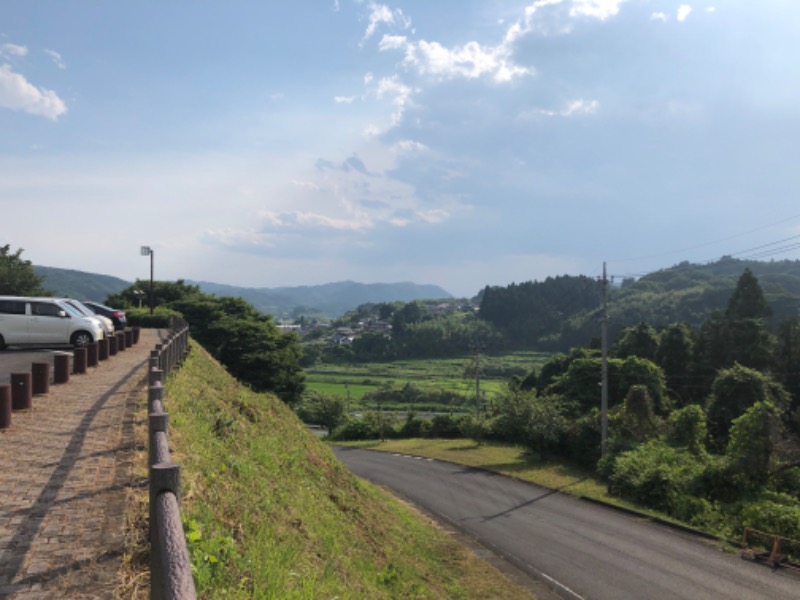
(170, 568)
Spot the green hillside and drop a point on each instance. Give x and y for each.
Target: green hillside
(79, 284)
(561, 312)
(271, 513)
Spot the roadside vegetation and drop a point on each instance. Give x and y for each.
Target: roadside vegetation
(270, 513)
(704, 422)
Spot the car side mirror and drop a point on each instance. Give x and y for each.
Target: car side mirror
(63, 314)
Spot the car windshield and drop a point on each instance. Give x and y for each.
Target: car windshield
(71, 310)
(80, 308)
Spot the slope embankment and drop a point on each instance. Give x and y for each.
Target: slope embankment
(271, 513)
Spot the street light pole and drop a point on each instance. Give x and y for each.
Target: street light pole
(147, 250)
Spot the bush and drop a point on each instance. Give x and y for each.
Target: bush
(355, 429)
(141, 317)
(656, 475)
(445, 426)
(779, 515)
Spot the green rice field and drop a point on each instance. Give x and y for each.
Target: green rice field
(353, 381)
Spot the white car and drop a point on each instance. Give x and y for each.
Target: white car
(108, 324)
(45, 322)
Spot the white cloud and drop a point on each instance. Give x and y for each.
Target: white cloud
(56, 58)
(683, 12)
(470, 61)
(344, 99)
(17, 93)
(409, 146)
(659, 16)
(301, 220)
(392, 42)
(571, 109)
(382, 14)
(9, 50)
(399, 93)
(598, 9)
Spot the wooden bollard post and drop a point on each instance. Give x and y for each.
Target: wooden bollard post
(128, 335)
(120, 341)
(40, 375)
(112, 345)
(102, 349)
(5, 406)
(137, 331)
(92, 355)
(79, 361)
(61, 368)
(21, 397)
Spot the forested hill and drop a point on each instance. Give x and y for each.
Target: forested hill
(561, 312)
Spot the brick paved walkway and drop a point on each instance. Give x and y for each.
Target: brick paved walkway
(64, 469)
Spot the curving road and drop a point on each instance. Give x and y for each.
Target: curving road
(580, 549)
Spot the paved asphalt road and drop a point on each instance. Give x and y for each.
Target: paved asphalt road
(583, 550)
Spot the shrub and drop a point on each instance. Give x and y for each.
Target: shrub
(655, 475)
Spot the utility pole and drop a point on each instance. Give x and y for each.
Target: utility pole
(604, 368)
(477, 380)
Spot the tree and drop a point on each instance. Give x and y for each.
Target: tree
(747, 300)
(674, 356)
(17, 277)
(753, 437)
(641, 340)
(326, 410)
(787, 357)
(734, 391)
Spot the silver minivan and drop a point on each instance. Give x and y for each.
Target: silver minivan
(44, 322)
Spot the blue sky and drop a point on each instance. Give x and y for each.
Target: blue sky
(462, 143)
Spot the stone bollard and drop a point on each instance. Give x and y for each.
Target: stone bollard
(21, 396)
(79, 361)
(40, 375)
(102, 349)
(92, 354)
(120, 341)
(5, 406)
(61, 368)
(112, 345)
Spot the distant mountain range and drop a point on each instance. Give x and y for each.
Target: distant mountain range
(331, 299)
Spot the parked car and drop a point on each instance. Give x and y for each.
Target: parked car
(108, 324)
(45, 322)
(117, 316)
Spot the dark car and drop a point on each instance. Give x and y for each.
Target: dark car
(116, 315)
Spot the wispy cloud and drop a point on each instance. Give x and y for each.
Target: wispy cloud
(9, 50)
(59, 62)
(380, 14)
(684, 10)
(17, 93)
(570, 109)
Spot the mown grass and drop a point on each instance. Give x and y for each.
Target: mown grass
(271, 513)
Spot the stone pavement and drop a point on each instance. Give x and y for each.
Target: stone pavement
(64, 472)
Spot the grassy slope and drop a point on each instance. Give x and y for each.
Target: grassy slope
(272, 514)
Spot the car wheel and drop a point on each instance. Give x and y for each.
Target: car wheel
(81, 339)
